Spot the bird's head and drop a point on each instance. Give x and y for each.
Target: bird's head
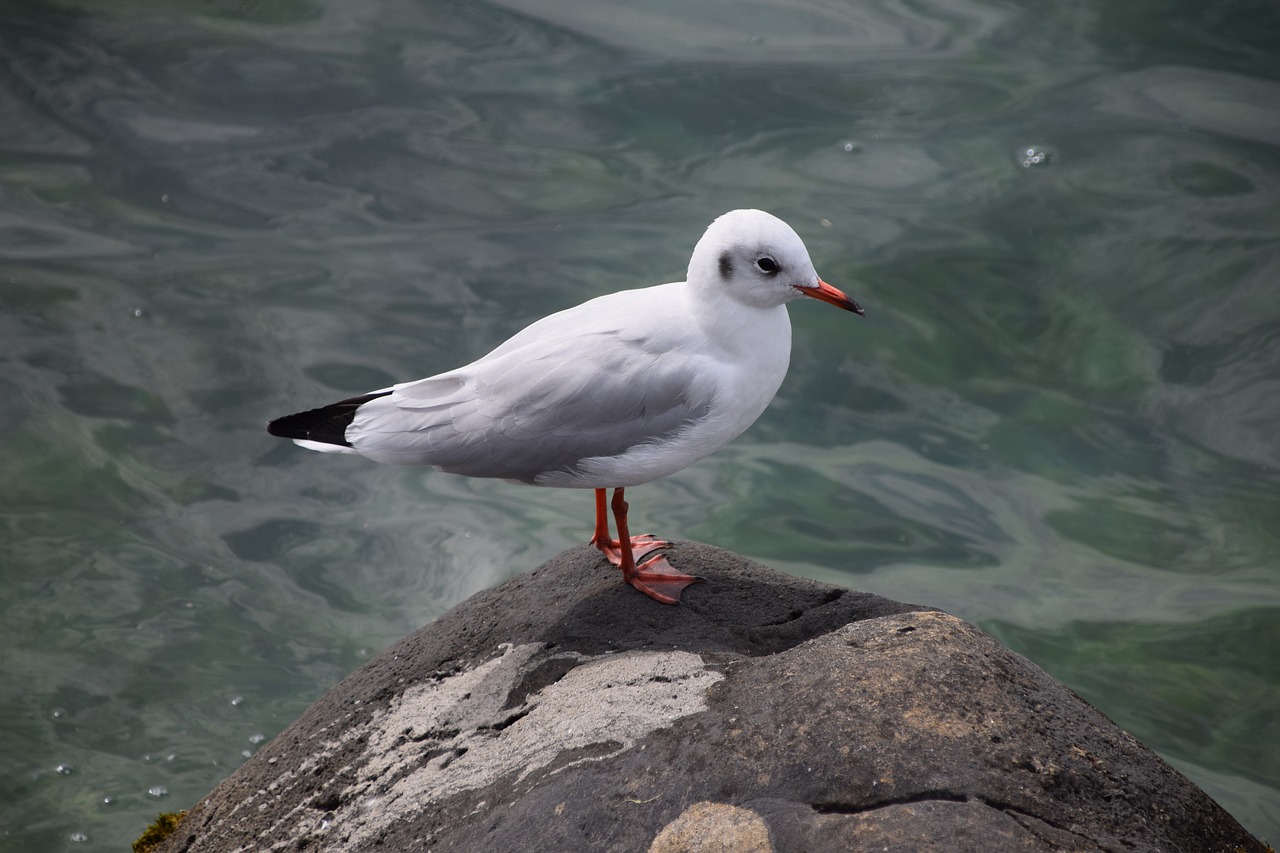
(757, 259)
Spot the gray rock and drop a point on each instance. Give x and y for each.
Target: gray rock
(565, 711)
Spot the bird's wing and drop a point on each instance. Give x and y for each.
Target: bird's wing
(541, 403)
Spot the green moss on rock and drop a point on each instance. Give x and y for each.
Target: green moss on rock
(159, 830)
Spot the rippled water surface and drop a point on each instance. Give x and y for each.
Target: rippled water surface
(1058, 420)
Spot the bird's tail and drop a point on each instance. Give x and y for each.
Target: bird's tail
(325, 425)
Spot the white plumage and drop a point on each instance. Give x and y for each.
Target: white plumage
(620, 390)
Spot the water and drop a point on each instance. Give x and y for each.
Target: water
(1057, 420)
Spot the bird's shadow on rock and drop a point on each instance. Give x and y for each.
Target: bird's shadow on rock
(739, 607)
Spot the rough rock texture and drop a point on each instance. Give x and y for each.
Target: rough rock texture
(565, 711)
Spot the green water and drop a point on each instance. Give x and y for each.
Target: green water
(1058, 419)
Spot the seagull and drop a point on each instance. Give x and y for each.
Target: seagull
(621, 390)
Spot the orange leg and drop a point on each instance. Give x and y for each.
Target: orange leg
(642, 545)
(655, 577)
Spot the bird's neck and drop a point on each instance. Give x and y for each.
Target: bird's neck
(741, 328)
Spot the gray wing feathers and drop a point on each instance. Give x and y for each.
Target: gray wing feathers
(524, 411)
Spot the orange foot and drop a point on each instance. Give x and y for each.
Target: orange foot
(654, 576)
(658, 579)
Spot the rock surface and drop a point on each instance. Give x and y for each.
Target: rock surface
(565, 711)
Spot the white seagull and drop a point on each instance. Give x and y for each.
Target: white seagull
(621, 390)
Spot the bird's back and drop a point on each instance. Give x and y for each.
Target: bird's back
(591, 382)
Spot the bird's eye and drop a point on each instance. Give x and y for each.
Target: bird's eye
(767, 265)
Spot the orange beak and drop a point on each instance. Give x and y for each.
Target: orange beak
(832, 295)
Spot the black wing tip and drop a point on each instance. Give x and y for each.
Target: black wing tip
(327, 424)
(293, 426)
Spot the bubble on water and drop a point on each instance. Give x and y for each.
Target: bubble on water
(64, 769)
(244, 753)
(108, 800)
(139, 312)
(78, 838)
(58, 713)
(1034, 155)
(237, 701)
(257, 737)
(157, 792)
(850, 146)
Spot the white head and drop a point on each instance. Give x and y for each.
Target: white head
(756, 259)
